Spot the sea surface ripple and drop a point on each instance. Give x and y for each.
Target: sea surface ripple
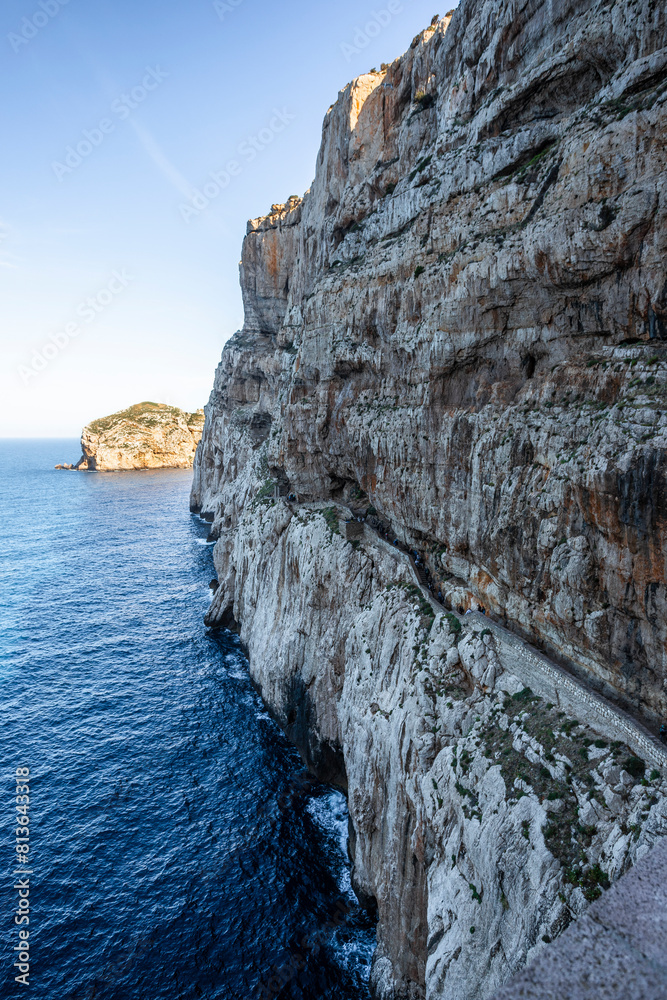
(178, 847)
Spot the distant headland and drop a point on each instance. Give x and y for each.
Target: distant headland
(144, 436)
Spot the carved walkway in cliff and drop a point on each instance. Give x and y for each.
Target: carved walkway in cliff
(547, 679)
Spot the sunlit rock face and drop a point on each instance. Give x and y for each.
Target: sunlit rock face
(145, 436)
(462, 325)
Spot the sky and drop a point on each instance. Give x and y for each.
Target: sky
(118, 284)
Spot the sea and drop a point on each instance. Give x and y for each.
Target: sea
(177, 848)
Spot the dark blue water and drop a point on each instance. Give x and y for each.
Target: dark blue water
(177, 846)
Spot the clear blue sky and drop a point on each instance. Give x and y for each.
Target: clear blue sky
(210, 78)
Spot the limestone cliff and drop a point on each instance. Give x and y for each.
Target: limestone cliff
(484, 818)
(145, 436)
(459, 333)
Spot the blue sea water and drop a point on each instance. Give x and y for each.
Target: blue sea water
(177, 846)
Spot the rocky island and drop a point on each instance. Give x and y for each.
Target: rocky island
(144, 436)
(449, 396)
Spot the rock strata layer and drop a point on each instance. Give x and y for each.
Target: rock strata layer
(145, 436)
(459, 334)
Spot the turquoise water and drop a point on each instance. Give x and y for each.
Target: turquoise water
(178, 847)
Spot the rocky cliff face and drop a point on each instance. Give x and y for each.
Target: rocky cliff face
(460, 331)
(145, 436)
(483, 819)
